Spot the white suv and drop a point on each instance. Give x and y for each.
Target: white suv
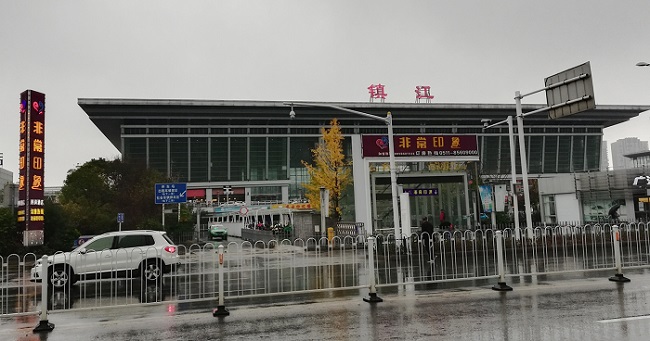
(126, 254)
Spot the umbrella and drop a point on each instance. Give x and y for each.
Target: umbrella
(612, 211)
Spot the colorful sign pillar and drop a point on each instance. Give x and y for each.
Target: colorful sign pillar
(31, 157)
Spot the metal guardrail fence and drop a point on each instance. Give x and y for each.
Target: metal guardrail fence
(314, 265)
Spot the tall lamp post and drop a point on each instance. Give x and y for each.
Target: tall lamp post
(513, 169)
(391, 153)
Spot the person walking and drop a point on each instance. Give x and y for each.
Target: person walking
(443, 222)
(426, 234)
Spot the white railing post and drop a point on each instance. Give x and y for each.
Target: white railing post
(501, 285)
(373, 298)
(221, 308)
(616, 240)
(43, 324)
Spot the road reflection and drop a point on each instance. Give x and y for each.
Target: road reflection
(108, 293)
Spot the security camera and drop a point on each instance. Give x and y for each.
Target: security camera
(292, 114)
(486, 122)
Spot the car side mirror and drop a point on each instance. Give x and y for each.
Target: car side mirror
(82, 251)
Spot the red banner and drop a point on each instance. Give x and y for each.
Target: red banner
(421, 145)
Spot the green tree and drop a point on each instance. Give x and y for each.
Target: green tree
(330, 170)
(94, 193)
(59, 234)
(10, 238)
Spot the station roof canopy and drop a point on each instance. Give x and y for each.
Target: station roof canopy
(110, 114)
(636, 155)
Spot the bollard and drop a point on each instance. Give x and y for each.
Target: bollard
(43, 324)
(373, 298)
(616, 239)
(221, 308)
(501, 285)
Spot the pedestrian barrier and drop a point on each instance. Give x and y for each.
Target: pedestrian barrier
(218, 272)
(355, 231)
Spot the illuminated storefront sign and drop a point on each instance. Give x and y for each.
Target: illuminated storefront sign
(421, 192)
(421, 145)
(31, 164)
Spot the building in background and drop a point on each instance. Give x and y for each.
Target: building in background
(604, 157)
(254, 149)
(8, 198)
(626, 146)
(640, 159)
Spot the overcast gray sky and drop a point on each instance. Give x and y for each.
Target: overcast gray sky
(468, 52)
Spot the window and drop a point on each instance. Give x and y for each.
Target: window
(536, 149)
(219, 131)
(135, 149)
(238, 158)
(258, 158)
(135, 131)
(137, 240)
(593, 153)
(578, 154)
(158, 154)
(550, 154)
(100, 244)
(550, 215)
(505, 155)
(157, 131)
(490, 154)
(179, 158)
(301, 150)
(199, 159)
(219, 159)
(277, 158)
(564, 154)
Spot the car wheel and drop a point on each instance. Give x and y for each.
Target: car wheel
(60, 277)
(151, 270)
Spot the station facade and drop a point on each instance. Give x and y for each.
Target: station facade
(252, 151)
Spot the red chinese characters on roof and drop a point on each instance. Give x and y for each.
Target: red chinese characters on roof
(423, 92)
(377, 92)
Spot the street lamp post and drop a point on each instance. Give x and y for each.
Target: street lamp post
(391, 154)
(513, 171)
(524, 161)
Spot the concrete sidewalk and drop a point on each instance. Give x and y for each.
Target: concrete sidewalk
(575, 309)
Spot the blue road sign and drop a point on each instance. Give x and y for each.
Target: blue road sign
(171, 193)
(120, 218)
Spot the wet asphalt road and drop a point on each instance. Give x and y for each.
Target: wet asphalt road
(577, 309)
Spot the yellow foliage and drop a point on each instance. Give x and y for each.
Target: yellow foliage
(330, 170)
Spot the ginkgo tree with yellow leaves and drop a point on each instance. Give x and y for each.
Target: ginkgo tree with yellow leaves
(330, 170)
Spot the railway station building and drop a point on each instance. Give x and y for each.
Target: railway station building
(252, 151)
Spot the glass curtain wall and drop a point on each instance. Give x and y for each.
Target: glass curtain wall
(199, 159)
(238, 159)
(258, 159)
(277, 156)
(158, 154)
(219, 158)
(545, 153)
(135, 149)
(178, 157)
(300, 149)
